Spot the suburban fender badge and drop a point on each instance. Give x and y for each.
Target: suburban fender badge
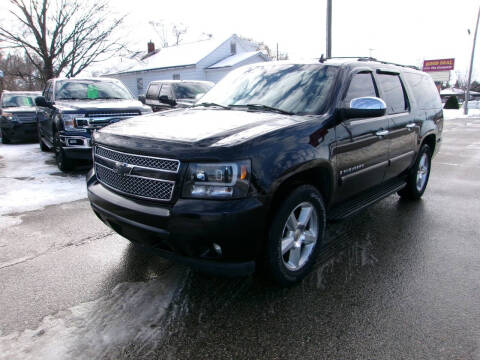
(122, 168)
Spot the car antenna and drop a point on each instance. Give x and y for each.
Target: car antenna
(322, 59)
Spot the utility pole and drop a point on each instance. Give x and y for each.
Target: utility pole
(277, 51)
(329, 29)
(467, 96)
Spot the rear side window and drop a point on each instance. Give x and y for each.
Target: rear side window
(393, 93)
(424, 90)
(166, 90)
(361, 85)
(153, 90)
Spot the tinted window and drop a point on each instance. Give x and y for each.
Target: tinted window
(152, 92)
(299, 89)
(424, 90)
(190, 91)
(361, 85)
(166, 90)
(393, 93)
(90, 90)
(17, 100)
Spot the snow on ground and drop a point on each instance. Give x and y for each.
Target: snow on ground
(30, 180)
(133, 313)
(457, 114)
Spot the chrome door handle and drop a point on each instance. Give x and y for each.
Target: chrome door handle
(411, 125)
(382, 133)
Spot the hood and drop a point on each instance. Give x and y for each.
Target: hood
(211, 127)
(98, 105)
(18, 109)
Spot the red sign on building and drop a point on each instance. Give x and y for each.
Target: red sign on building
(438, 65)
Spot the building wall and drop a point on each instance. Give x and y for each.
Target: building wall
(132, 79)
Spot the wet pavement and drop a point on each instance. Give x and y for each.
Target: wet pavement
(401, 280)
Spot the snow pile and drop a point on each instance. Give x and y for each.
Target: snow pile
(30, 180)
(458, 114)
(131, 317)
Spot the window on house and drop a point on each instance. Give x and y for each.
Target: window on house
(233, 48)
(176, 76)
(139, 84)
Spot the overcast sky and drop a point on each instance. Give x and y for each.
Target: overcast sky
(406, 31)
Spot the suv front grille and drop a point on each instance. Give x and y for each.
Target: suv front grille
(126, 114)
(125, 173)
(28, 117)
(139, 160)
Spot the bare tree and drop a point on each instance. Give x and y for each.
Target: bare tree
(165, 31)
(61, 37)
(19, 73)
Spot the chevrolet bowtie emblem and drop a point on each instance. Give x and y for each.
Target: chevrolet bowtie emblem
(122, 168)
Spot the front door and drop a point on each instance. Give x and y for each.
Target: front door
(361, 149)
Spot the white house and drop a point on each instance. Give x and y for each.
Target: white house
(203, 60)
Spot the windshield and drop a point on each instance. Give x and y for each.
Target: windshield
(17, 100)
(90, 90)
(190, 90)
(297, 89)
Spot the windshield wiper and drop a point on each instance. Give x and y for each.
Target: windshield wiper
(71, 98)
(262, 107)
(210, 104)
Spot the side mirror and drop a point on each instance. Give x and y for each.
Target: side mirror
(365, 107)
(141, 98)
(40, 101)
(166, 100)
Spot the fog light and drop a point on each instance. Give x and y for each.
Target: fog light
(217, 248)
(76, 142)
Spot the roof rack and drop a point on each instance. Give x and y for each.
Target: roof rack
(367, 58)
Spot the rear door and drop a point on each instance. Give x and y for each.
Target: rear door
(402, 134)
(45, 113)
(361, 149)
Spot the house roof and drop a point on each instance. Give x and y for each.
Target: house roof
(177, 56)
(235, 59)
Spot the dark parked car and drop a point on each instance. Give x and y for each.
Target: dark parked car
(71, 109)
(18, 115)
(167, 94)
(251, 174)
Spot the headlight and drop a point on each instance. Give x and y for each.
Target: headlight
(69, 121)
(8, 116)
(217, 180)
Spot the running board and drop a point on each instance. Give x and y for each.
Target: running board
(359, 202)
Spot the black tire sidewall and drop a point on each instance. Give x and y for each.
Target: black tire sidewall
(5, 138)
(411, 191)
(63, 162)
(273, 258)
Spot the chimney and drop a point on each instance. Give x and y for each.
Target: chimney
(151, 47)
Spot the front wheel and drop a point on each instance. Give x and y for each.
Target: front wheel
(296, 234)
(419, 174)
(63, 162)
(43, 147)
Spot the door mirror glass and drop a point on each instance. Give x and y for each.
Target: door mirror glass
(40, 101)
(365, 107)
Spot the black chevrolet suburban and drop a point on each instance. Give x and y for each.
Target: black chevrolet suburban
(251, 174)
(71, 109)
(168, 94)
(18, 115)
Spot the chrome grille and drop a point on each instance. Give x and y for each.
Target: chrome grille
(156, 185)
(113, 114)
(134, 185)
(139, 160)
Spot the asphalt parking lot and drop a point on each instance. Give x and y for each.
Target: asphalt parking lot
(400, 280)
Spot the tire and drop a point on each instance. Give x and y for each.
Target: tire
(418, 176)
(63, 162)
(5, 137)
(292, 247)
(43, 147)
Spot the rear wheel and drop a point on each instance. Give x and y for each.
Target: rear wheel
(295, 236)
(5, 137)
(63, 162)
(419, 174)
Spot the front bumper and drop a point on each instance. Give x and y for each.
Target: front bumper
(76, 145)
(18, 130)
(187, 230)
